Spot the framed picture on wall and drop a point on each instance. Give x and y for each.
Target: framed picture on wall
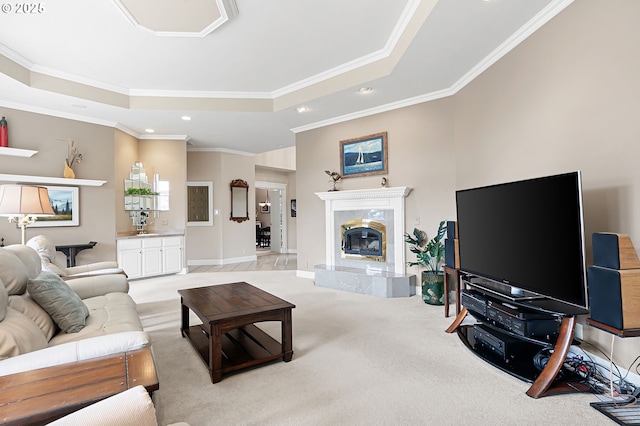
(66, 206)
(265, 208)
(364, 156)
(293, 208)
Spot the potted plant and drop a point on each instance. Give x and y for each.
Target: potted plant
(429, 254)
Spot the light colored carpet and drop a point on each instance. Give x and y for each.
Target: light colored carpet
(358, 360)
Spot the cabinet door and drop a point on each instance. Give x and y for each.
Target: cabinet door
(151, 256)
(131, 262)
(172, 254)
(172, 259)
(151, 261)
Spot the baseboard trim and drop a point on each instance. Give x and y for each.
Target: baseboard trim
(221, 262)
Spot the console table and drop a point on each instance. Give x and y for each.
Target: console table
(72, 250)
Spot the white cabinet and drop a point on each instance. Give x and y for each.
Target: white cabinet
(149, 256)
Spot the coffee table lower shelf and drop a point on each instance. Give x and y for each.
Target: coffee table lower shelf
(241, 348)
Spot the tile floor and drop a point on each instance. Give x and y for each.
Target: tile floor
(266, 261)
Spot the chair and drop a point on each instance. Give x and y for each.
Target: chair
(46, 249)
(265, 236)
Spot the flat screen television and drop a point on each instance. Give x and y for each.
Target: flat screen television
(528, 237)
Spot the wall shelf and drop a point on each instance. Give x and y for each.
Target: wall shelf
(17, 152)
(50, 180)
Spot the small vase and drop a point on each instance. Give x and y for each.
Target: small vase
(68, 172)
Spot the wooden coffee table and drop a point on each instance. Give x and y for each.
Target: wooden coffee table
(227, 340)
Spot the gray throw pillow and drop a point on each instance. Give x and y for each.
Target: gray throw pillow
(57, 298)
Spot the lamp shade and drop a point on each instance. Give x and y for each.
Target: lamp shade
(24, 200)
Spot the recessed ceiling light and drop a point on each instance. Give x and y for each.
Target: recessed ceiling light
(365, 90)
(186, 118)
(149, 130)
(302, 109)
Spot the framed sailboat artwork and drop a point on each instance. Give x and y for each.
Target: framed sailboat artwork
(364, 156)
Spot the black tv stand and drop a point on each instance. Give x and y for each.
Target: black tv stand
(513, 350)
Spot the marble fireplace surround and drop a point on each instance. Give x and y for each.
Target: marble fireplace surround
(388, 280)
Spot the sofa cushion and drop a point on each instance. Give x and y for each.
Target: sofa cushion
(108, 314)
(26, 305)
(19, 335)
(55, 296)
(13, 273)
(29, 257)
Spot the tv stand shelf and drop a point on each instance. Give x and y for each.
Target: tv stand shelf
(516, 352)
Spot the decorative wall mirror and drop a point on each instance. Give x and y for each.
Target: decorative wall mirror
(239, 200)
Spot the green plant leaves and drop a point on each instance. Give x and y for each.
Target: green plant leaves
(431, 254)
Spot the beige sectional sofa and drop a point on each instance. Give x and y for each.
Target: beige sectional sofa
(31, 336)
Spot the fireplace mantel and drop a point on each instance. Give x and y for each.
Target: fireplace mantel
(377, 198)
(359, 194)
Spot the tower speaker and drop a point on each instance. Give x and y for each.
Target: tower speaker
(614, 296)
(452, 229)
(614, 251)
(451, 256)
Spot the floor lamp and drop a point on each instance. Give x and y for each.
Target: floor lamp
(23, 203)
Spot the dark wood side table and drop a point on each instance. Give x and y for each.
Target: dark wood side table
(46, 394)
(71, 251)
(227, 340)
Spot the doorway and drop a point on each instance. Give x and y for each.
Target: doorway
(277, 197)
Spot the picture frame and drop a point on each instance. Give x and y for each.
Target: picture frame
(364, 156)
(294, 211)
(265, 208)
(200, 203)
(65, 202)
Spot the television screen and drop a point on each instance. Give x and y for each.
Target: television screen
(526, 234)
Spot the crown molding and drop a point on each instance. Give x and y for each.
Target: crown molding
(223, 150)
(153, 136)
(55, 113)
(376, 110)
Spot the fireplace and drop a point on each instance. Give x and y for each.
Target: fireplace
(364, 242)
(364, 239)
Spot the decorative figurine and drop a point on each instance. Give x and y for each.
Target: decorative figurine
(335, 178)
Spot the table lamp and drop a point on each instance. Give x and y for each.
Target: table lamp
(23, 203)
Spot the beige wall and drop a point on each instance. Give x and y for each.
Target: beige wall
(226, 241)
(565, 99)
(205, 242)
(281, 159)
(421, 155)
(49, 135)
